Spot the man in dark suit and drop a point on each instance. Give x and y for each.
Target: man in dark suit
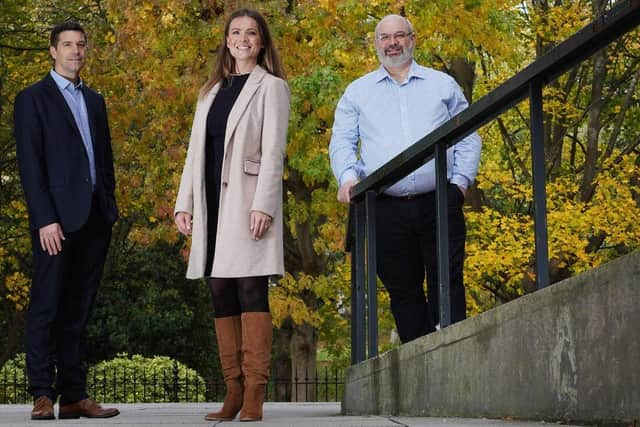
(66, 167)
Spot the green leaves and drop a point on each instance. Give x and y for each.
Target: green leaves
(145, 379)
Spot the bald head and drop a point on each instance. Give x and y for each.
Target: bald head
(394, 19)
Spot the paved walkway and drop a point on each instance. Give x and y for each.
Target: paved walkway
(275, 415)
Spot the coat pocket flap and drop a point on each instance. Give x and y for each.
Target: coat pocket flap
(251, 167)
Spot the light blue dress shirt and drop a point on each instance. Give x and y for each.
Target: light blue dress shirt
(387, 117)
(75, 100)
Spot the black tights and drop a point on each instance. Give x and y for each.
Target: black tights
(233, 296)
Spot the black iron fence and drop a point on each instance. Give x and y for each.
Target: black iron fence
(124, 385)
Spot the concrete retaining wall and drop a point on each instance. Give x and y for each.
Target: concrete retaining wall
(568, 352)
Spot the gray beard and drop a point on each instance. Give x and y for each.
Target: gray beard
(395, 61)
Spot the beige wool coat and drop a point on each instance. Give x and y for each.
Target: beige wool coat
(252, 169)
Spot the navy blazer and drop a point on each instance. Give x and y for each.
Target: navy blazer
(53, 161)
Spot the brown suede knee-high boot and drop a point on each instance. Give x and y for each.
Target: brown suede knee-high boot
(229, 335)
(256, 358)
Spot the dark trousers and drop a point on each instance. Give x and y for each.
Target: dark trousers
(63, 289)
(407, 250)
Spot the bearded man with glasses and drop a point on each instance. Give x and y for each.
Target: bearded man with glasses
(380, 115)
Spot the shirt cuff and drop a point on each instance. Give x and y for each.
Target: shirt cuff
(460, 181)
(348, 175)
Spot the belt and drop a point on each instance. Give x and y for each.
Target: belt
(384, 196)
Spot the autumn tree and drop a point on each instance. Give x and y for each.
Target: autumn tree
(149, 59)
(591, 138)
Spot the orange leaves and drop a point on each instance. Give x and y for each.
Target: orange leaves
(170, 92)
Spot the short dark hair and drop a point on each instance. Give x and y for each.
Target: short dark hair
(65, 26)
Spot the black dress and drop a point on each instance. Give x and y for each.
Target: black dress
(214, 153)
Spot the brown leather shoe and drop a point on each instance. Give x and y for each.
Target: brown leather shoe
(86, 408)
(42, 409)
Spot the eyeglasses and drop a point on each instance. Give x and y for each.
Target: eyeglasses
(400, 36)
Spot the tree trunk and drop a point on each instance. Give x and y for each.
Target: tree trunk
(594, 125)
(464, 72)
(593, 128)
(304, 344)
(281, 363)
(15, 321)
(301, 257)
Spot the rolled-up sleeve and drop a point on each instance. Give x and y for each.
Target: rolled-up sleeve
(466, 153)
(343, 147)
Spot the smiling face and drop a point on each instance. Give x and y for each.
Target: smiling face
(244, 42)
(394, 42)
(69, 54)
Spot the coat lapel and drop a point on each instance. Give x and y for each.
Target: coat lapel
(199, 131)
(253, 83)
(92, 109)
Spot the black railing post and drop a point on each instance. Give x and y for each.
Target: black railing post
(372, 284)
(197, 389)
(539, 179)
(15, 384)
(443, 235)
(5, 389)
(94, 386)
(104, 383)
(306, 384)
(326, 384)
(354, 309)
(25, 385)
(357, 286)
(175, 381)
(165, 384)
(155, 383)
(186, 385)
(124, 384)
(144, 384)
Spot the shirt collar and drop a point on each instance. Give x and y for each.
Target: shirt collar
(415, 71)
(62, 82)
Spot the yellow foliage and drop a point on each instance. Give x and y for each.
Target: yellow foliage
(17, 288)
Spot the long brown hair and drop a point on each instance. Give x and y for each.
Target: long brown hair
(268, 57)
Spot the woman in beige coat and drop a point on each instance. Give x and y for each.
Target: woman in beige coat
(230, 201)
